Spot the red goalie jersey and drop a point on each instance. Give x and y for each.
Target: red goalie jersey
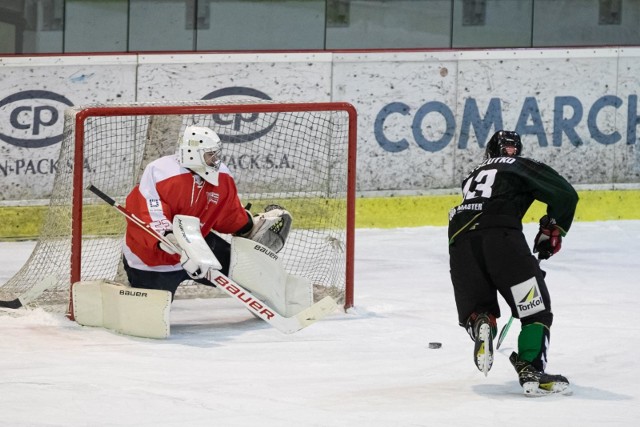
(167, 189)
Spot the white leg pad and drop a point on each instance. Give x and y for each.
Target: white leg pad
(299, 294)
(130, 311)
(260, 270)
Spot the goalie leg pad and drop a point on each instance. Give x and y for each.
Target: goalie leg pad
(260, 270)
(130, 311)
(299, 294)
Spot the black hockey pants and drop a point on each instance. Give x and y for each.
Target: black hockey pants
(489, 261)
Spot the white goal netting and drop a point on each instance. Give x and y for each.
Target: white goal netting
(295, 155)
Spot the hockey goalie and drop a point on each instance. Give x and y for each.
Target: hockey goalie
(190, 200)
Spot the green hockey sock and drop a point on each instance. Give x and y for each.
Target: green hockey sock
(532, 343)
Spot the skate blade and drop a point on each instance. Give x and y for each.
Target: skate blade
(484, 353)
(533, 389)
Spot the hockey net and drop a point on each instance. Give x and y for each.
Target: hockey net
(298, 155)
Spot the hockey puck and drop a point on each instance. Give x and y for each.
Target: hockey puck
(435, 344)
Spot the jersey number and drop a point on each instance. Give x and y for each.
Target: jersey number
(480, 185)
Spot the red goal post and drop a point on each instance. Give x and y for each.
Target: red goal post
(299, 155)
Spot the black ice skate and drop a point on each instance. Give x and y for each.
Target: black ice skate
(536, 383)
(483, 330)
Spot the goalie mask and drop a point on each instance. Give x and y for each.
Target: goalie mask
(504, 143)
(200, 150)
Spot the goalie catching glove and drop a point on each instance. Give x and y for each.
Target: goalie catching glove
(548, 241)
(271, 227)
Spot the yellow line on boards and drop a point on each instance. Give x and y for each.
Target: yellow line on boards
(24, 222)
(417, 211)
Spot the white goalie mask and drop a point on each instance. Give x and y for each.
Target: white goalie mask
(200, 150)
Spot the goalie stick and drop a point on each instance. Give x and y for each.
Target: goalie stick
(286, 325)
(30, 295)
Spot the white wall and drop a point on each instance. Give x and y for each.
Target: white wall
(424, 116)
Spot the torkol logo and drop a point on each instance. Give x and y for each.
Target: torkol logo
(531, 300)
(32, 118)
(242, 127)
(528, 298)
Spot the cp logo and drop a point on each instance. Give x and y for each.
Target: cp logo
(33, 118)
(242, 127)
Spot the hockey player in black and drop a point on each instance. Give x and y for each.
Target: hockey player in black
(489, 255)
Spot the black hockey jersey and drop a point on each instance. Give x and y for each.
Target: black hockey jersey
(500, 190)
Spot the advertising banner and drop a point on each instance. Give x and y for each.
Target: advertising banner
(34, 93)
(424, 117)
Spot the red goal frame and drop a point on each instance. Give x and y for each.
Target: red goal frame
(150, 110)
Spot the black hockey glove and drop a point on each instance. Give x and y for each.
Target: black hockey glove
(548, 241)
